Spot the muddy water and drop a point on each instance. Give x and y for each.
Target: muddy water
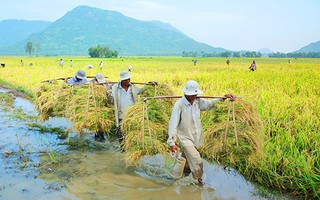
(97, 172)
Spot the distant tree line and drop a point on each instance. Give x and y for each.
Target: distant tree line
(295, 55)
(225, 54)
(250, 54)
(102, 52)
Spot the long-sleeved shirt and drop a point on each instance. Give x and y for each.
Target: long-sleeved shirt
(120, 96)
(75, 81)
(185, 121)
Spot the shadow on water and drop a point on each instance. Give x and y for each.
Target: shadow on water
(35, 164)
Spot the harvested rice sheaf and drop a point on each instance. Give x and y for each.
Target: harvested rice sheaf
(248, 128)
(86, 108)
(145, 124)
(143, 139)
(89, 109)
(51, 99)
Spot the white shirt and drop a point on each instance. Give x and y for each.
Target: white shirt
(126, 100)
(185, 121)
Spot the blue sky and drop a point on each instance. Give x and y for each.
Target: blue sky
(280, 25)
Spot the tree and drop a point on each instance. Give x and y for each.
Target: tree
(226, 54)
(38, 50)
(29, 48)
(189, 54)
(100, 51)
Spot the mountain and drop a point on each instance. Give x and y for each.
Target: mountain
(264, 51)
(312, 47)
(13, 30)
(85, 27)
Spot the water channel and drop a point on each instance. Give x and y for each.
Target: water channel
(97, 171)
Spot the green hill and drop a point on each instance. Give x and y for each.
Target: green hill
(12, 30)
(86, 27)
(312, 47)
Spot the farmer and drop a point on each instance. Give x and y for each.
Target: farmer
(79, 78)
(253, 66)
(125, 94)
(185, 125)
(100, 79)
(61, 62)
(194, 62)
(101, 64)
(228, 62)
(130, 68)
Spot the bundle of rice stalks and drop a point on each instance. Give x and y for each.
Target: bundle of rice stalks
(89, 109)
(223, 148)
(51, 99)
(86, 106)
(145, 125)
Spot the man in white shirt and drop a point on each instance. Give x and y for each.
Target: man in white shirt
(125, 94)
(185, 125)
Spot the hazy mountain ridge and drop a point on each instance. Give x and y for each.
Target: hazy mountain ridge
(12, 30)
(312, 47)
(85, 27)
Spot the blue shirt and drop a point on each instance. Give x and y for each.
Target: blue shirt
(75, 81)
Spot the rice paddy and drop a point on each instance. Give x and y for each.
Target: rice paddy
(279, 102)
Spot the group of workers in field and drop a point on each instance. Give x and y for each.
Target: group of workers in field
(184, 124)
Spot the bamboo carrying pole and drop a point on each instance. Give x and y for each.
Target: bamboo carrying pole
(137, 83)
(64, 78)
(176, 97)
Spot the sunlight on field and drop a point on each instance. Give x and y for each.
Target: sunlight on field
(286, 95)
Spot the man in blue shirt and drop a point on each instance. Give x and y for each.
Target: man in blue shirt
(79, 79)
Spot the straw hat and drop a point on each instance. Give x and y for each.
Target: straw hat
(192, 88)
(100, 78)
(124, 75)
(81, 74)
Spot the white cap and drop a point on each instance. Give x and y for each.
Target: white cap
(130, 68)
(192, 88)
(124, 75)
(100, 78)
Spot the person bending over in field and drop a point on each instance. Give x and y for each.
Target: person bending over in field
(125, 94)
(79, 78)
(253, 66)
(185, 126)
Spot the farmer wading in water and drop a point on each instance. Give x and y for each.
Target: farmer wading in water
(185, 125)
